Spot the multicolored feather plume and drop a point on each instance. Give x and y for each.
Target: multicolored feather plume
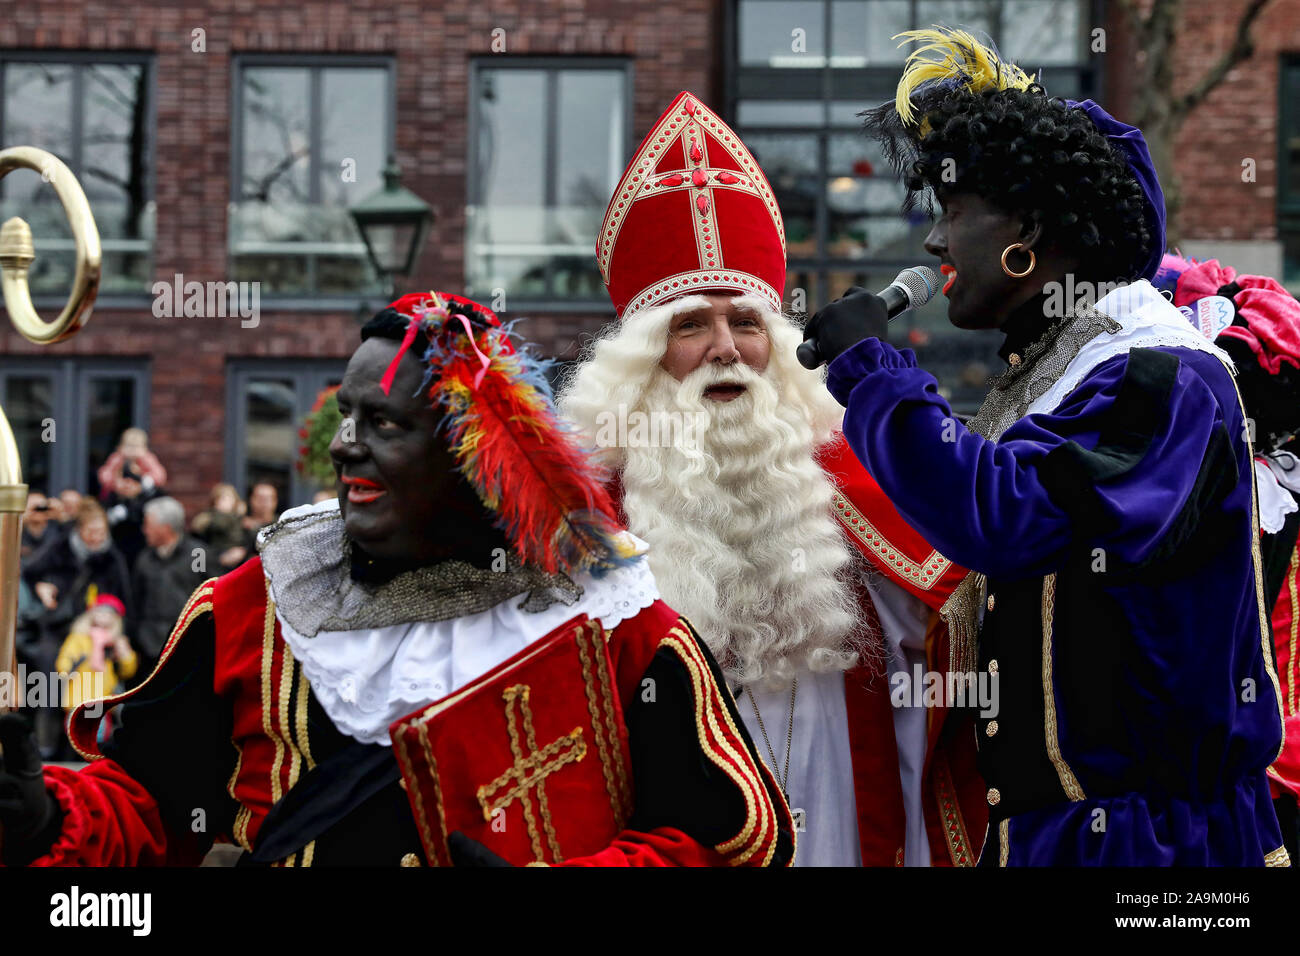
(527, 468)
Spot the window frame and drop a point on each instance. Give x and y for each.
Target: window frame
(309, 376)
(551, 65)
(70, 377)
(824, 85)
(315, 63)
(81, 59)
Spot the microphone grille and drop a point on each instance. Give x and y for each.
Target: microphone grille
(920, 283)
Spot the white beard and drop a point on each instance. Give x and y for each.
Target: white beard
(743, 541)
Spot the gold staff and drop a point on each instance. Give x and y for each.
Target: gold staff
(16, 255)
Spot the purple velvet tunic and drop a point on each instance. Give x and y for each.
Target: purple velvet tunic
(1138, 701)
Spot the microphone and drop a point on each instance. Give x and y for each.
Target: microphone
(911, 289)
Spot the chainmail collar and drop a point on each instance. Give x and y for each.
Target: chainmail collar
(307, 559)
(1041, 364)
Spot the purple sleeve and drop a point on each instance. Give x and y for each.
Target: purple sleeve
(1113, 466)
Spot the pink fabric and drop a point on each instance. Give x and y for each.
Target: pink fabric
(1271, 314)
(1272, 317)
(1202, 279)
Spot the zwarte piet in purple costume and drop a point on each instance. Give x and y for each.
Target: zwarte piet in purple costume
(1103, 494)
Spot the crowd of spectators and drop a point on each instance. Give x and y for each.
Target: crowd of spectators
(104, 579)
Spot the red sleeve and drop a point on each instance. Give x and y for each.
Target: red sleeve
(109, 819)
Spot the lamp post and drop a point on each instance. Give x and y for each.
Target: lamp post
(394, 223)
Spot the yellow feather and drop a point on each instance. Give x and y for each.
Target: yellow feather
(957, 55)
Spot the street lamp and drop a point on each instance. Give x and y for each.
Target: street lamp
(394, 223)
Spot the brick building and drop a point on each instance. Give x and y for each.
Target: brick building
(224, 141)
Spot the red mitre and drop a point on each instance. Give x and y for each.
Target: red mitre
(693, 213)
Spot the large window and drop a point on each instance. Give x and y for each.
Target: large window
(68, 414)
(266, 402)
(796, 104)
(548, 142)
(312, 136)
(1288, 191)
(94, 113)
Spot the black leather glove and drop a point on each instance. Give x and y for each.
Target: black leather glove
(856, 315)
(467, 852)
(30, 819)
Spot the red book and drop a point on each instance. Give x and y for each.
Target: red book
(530, 759)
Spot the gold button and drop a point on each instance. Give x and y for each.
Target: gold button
(994, 797)
(410, 860)
(993, 666)
(1013, 359)
(990, 602)
(991, 728)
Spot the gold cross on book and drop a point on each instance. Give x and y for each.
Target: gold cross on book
(526, 777)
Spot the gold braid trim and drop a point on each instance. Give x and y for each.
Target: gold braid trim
(300, 720)
(1278, 857)
(758, 821)
(421, 820)
(1069, 783)
(1295, 626)
(602, 746)
(611, 730)
(961, 613)
(268, 653)
(540, 772)
(517, 752)
(954, 824)
(1265, 622)
(1004, 841)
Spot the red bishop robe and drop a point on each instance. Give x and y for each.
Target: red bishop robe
(227, 726)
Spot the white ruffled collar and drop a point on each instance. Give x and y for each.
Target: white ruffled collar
(1147, 320)
(366, 679)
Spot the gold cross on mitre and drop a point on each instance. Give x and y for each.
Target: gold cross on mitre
(525, 778)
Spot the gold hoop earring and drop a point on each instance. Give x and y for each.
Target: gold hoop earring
(1033, 260)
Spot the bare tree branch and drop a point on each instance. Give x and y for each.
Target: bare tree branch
(1242, 47)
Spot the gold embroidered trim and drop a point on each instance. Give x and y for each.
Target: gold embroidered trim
(1295, 627)
(1068, 781)
(616, 803)
(268, 655)
(300, 720)
(242, 819)
(422, 821)
(960, 612)
(640, 179)
(758, 825)
(1278, 857)
(681, 283)
(611, 727)
(287, 665)
(923, 574)
(1004, 841)
(1257, 562)
(529, 773)
(308, 853)
(954, 824)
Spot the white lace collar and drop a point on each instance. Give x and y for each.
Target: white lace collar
(1147, 319)
(366, 679)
